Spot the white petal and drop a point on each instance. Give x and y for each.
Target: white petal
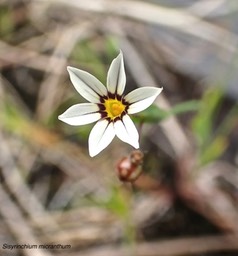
(141, 98)
(80, 114)
(126, 131)
(100, 137)
(87, 85)
(116, 77)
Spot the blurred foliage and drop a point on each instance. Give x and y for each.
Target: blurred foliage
(203, 123)
(117, 202)
(12, 118)
(154, 114)
(6, 22)
(87, 56)
(211, 145)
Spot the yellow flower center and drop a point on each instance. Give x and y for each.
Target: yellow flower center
(114, 108)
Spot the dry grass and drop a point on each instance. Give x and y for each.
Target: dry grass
(53, 193)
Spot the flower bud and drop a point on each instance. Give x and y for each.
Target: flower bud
(129, 168)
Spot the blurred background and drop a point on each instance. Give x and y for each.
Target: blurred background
(54, 198)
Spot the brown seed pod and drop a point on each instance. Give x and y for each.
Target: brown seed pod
(129, 168)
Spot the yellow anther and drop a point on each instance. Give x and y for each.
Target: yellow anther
(114, 108)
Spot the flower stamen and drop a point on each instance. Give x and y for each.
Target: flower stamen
(114, 108)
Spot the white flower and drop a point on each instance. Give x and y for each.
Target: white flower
(108, 106)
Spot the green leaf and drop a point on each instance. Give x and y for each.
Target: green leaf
(202, 124)
(187, 106)
(214, 150)
(154, 114)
